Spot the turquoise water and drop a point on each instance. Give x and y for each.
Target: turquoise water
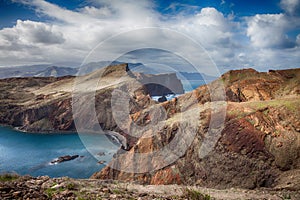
(189, 85)
(31, 154)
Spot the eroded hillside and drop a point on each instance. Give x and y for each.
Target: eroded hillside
(253, 146)
(44, 104)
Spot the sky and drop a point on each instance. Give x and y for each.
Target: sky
(230, 34)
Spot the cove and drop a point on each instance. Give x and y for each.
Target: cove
(32, 153)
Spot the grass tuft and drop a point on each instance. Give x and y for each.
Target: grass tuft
(8, 177)
(192, 194)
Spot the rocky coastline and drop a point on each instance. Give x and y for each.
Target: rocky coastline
(257, 145)
(44, 104)
(258, 140)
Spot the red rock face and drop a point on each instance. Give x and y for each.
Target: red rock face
(241, 136)
(249, 152)
(166, 176)
(250, 85)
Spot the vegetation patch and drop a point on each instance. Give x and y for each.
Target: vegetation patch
(116, 191)
(8, 177)
(50, 192)
(237, 113)
(71, 186)
(191, 194)
(290, 104)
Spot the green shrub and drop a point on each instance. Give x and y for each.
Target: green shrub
(8, 177)
(191, 194)
(50, 192)
(71, 186)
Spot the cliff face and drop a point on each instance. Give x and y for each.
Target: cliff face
(253, 146)
(45, 104)
(155, 83)
(250, 85)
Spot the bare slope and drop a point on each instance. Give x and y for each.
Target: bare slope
(45, 104)
(257, 143)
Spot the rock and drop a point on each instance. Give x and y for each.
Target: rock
(143, 194)
(106, 190)
(43, 178)
(162, 99)
(113, 196)
(244, 153)
(101, 154)
(5, 189)
(67, 193)
(31, 184)
(48, 108)
(57, 186)
(101, 162)
(64, 159)
(160, 84)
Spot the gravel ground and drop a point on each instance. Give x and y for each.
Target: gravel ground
(43, 187)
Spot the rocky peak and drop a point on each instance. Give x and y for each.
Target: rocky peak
(250, 85)
(116, 70)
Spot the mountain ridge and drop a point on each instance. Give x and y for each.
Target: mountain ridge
(58, 71)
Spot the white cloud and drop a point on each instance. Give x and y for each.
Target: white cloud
(37, 32)
(56, 12)
(210, 17)
(291, 6)
(72, 34)
(209, 27)
(29, 33)
(269, 31)
(96, 12)
(85, 28)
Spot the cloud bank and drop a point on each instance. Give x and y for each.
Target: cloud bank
(261, 41)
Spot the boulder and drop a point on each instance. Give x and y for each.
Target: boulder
(64, 159)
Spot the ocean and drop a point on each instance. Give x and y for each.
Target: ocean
(27, 153)
(32, 153)
(189, 85)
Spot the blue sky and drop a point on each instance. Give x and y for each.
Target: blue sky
(11, 11)
(234, 33)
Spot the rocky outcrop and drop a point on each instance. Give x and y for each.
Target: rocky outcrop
(250, 85)
(161, 84)
(64, 159)
(251, 147)
(36, 104)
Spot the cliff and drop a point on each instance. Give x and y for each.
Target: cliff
(44, 104)
(242, 130)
